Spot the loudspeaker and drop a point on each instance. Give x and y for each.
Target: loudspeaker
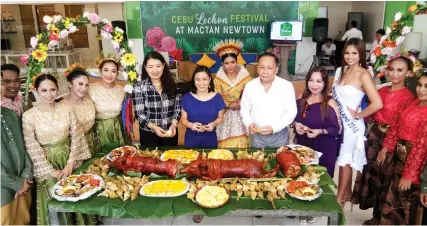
(122, 25)
(355, 16)
(320, 29)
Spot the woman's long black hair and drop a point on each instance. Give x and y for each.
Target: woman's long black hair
(168, 84)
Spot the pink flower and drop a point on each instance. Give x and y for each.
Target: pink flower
(160, 49)
(154, 37)
(94, 18)
(108, 28)
(168, 43)
(24, 59)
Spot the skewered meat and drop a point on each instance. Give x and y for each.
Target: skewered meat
(146, 165)
(288, 162)
(212, 169)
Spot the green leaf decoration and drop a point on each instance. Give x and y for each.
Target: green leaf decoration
(133, 174)
(203, 5)
(157, 176)
(235, 4)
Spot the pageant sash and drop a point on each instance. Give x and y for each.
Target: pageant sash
(348, 121)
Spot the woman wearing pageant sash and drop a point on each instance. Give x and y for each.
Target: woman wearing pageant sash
(56, 145)
(108, 97)
(369, 188)
(408, 141)
(352, 84)
(230, 80)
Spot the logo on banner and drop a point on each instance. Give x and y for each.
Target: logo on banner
(286, 29)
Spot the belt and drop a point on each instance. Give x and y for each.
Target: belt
(403, 149)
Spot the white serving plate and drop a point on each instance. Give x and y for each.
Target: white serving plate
(109, 157)
(316, 196)
(141, 190)
(81, 197)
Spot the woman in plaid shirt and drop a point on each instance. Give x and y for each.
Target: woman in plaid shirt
(157, 103)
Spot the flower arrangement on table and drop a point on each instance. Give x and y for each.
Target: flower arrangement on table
(59, 27)
(395, 35)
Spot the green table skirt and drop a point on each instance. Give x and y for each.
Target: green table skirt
(146, 207)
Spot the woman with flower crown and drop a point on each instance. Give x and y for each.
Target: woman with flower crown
(108, 97)
(229, 82)
(56, 145)
(82, 105)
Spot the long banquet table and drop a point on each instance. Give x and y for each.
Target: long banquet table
(146, 207)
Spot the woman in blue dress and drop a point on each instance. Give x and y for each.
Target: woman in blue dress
(202, 110)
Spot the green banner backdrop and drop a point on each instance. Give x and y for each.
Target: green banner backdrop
(196, 26)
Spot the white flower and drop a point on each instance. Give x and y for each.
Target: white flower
(406, 30)
(57, 18)
(125, 75)
(130, 43)
(85, 14)
(400, 40)
(115, 44)
(118, 30)
(72, 29)
(33, 42)
(387, 51)
(373, 58)
(397, 16)
(387, 31)
(47, 19)
(128, 88)
(52, 44)
(382, 68)
(122, 51)
(106, 35)
(63, 34)
(105, 21)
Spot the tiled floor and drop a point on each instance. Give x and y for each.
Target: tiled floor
(356, 217)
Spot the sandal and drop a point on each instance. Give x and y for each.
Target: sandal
(197, 218)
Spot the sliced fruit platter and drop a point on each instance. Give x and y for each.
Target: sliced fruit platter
(77, 187)
(124, 151)
(303, 191)
(165, 188)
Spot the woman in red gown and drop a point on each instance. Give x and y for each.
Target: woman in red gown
(371, 184)
(408, 141)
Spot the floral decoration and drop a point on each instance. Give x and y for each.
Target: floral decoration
(73, 67)
(157, 39)
(59, 27)
(395, 35)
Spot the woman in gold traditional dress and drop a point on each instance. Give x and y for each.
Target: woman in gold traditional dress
(56, 145)
(230, 81)
(108, 97)
(82, 105)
